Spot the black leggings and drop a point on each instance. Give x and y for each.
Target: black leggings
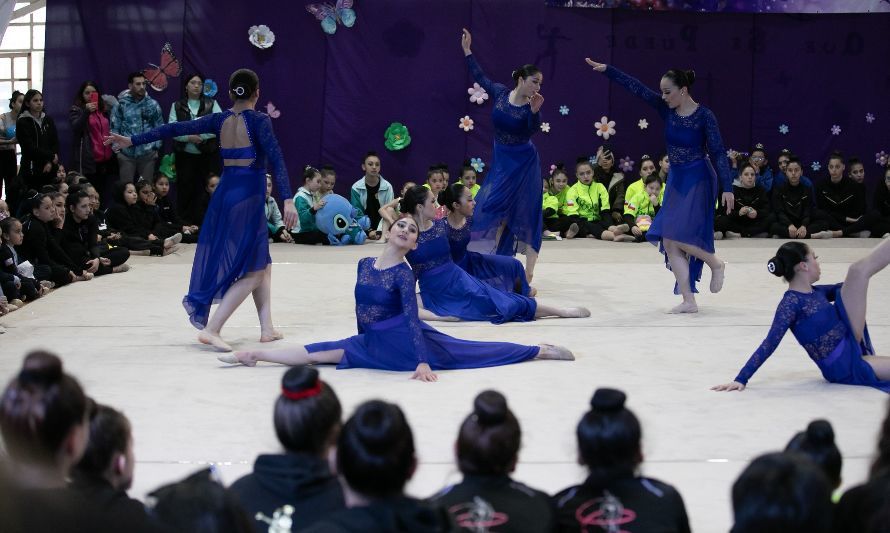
(745, 226)
(559, 224)
(310, 237)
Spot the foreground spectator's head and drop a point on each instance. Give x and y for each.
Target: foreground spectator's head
(781, 493)
(307, 414)
(109, 453)
(609, 438)
(199, 504)
(817, 443)
(489, 438)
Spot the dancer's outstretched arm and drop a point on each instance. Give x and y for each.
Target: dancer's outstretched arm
(633, 85)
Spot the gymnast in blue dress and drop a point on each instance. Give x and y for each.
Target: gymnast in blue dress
(500, 271)
(509, 214)
(447, 291)
(684, 227)
(390, 334)
(827, 320)
(232, 257)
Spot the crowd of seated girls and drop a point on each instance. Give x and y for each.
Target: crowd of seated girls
(68, 465)
(604, 204)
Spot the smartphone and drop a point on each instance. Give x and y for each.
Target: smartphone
(94, 98)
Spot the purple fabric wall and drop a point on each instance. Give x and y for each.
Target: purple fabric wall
(402, 62)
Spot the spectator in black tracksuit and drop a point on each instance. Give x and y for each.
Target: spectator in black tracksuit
(792, 207)
(80, 239)
(50, 261)
(37, 135)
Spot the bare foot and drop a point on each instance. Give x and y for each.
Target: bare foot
(532, 292)
(685, 307)
(271, 337)
(215, 341)
(576, 312)
(556, 353)
(239, 358)
(717, 276)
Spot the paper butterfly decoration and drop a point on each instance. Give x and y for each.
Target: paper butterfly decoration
(170, 67)
(331, 14)
(272, 111)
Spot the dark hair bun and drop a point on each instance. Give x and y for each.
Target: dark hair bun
(690, 77)
(376, 426)
(41, 368)
(776, 266)
(299, 378)
(607, 400)
(820, 432)
(490, 408)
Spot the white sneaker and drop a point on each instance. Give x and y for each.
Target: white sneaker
(718, 235)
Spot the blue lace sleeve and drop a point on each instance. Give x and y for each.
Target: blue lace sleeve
(786, 316)
(205, 124)
(491, 87)
(716, 151)
(405, 281)
(830, 291)
(534, 121)
(266, 138)
(636, 88)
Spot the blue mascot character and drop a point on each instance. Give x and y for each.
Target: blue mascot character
(338, 220)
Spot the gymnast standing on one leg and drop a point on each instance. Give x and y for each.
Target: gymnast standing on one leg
(684, 225)
(509, 214)
(232, 258)
(390, 334)
(834, 336)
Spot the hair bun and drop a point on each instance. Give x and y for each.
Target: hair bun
(690, 77)
(490, 408)
(299, 378)
(776, 266)
(820, 431)
(376, 426)
(607, 400)
(41, 368)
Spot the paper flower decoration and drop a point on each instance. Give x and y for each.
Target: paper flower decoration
(626, 164)
(168, 167)
(592, 160)
(835, 130)
(261, 36)
(783, 129)
(465, 123)
(605, 128)
(552, 168)
(545, 127)
(477, 94)
(869, 117)
(396, 136)
(563, 110)
(210, 88)
(643, 124)
(477, 164)
(816, 166)
(272, 111)
(882, 158)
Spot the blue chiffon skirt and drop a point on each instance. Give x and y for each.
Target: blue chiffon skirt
(449, 291)
(845, 364)
(383, 346)
(511, 195)
(501, 272)
(233, 240)
(687, 213)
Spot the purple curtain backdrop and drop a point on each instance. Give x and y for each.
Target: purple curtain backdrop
(402, 62)
(735, 6)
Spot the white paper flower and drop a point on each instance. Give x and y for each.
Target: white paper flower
(643, 124)
(783, 129)
(835, 130)
(477, 94)
(882, 158)
(466, 123)
(869, 117)
(563, 110)
(626, 164)
(545, 127)
(605, 128)
(261, 36)
(816, 166)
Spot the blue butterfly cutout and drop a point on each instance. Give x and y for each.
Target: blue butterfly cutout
(330, 15)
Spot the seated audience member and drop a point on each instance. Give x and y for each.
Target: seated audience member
(308, 203)
(760, 162)
(881, 207)
(199, 503)
(587, 203)
(167, 212)
(781, 493)
(641, 208)
(19, 286)
(125, 217)
(470, 178)
(211, 182)
(647, 168)
(371, 192)
(389, 213)
(865, 508)
(794, 216)
(38, 247)
(44, 421)
(608, 175)
(328, 180)
(375, 459)
(556, 219)
(274, 220)
(435, 181)
(487, 450)
(842, 202)
(817, 443)
(609, 445)
(149, 214)
(856, 170)
(780, 177)
(750, 217)
(299, 482)
(105, 472)
(80, 239)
